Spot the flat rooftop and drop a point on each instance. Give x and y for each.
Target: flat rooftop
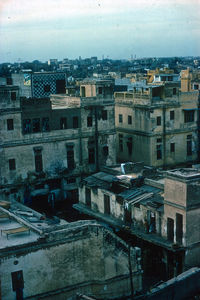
(21, 225)
(184, 173)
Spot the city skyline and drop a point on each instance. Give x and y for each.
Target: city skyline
(59, 29)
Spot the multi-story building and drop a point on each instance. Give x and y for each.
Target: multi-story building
(48, 144)
(162, 216)
(157, 124)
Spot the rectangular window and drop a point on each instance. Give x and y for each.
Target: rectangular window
(91, 155)
(89, 121)
(105, 150)
(121, 142)
(83, 91)
(158, 121)
(189, 148)
(100, 90)
(17, 281)
(63, 123)
(171, 114)
(10, 124)
(188, 116)
(13, 96)
(130, 145)
(88, 197)
(45, 124)
(27, 126)
(12, 165)
(75, 122)
(170, 229)
(38, 161)
(179, 228)
(174, 91)
(70, 158)
(159, 140)
(172, 147)
(129, 120)
(159, 151)
(120, 118)
(36, 125)
(106, 204)
(104, 115)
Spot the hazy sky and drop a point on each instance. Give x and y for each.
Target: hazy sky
(43, 29)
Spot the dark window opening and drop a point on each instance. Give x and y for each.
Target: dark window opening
(100, 90)
(9, 81)
(38, 162)
(172, 115)
(159, 151)
(104, 115)
(121, 148)
(75, 122)
(174, 91)
(159, 140)
(105, 151)
(12, 165)
(45, 124)
(158, 121)
(63, 123)
(189, 147)
(70, 158)
(91, 155)
(106, 204)
(172, 147)
(36, 125)
(17, 281)
(10, 124)
(88, 197)
(129, 120)
(120, 118)
(170, 229)
(60, 86)
(26, 126)
(47, 88)
(83, 91)
(179, 228)
(189, 116)
(13, 96)
(89, 121)
(130, 145)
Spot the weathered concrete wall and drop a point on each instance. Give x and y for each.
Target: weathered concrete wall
(97, 202)
(173, 190)
(87, 259)
(148, 135)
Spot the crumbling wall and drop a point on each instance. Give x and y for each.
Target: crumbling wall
(86, 259)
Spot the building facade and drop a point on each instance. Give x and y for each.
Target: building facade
(57, 260)
(157, 124)
(159, 215)
(44, 141)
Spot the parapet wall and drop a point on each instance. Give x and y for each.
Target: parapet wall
(84, 258)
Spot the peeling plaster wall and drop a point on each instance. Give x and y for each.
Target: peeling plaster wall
(93, 261)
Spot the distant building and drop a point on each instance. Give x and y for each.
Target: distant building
(52, 62)
(159, 75)
(40, 84)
